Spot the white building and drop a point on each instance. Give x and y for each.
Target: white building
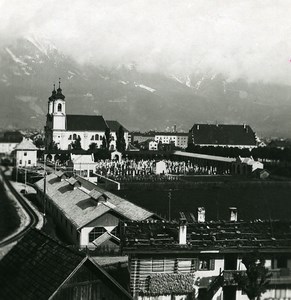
(26, 153)
(88, 215)
(63, 129)
(179, 139)
(82, 164)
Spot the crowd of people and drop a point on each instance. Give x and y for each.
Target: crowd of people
(143, 170)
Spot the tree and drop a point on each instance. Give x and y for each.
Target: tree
(76, 145)
(120, 141)
(254, 281)
(104, 144)
(107, 137)
(93, 147)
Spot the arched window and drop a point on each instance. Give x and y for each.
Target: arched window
(59, 107)
(96, 137)
(74, 136)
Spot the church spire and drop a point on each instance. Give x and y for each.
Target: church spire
(59, 91)
(53, 96)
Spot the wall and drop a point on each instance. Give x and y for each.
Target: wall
(23, 160)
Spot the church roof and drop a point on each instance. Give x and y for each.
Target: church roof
(223, 134)
(85, 123)
(114, 126)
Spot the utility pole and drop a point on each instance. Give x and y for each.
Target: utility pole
(169, 200)
(44, 189)
(25, 177)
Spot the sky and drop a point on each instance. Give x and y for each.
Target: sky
(248, 39)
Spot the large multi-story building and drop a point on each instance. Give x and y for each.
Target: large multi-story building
(63, 129)
(179, 139)
(168, 260)
(223, 135)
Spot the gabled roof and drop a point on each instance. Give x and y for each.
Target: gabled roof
(37, 266)
(79, 206)
(223, 134)
(26, 144)
(85, 123)
(114, 126)
(82, 158)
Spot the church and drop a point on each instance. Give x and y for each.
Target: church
(62, 129)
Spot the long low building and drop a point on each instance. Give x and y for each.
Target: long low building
(88, 215)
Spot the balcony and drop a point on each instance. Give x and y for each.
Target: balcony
(279, 276)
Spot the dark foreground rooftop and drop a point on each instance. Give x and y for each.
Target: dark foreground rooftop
(162, 236)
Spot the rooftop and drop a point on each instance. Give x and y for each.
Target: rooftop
(161, 236)
(85, 123)
(37, 266)
(114, 126)
(26, 144)
(223, 134)
(80, 206)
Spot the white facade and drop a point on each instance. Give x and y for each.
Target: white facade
(26, 153)
(179, 140)
(153, 145)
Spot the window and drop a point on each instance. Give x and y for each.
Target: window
(59, 107)
(96, 137)
(92, 138)
(206, 264)
(20, 162)
(74, 136)
(29, 161)
(70, 137)
(25, 154)
(95, 233)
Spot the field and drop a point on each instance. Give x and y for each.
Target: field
(254, 201)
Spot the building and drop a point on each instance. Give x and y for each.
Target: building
(88, 215)
(82, 164)
(26, 154)
(246, 166)
(40, 268)
(179, 139)
(190, 259)
(8, 141)
(63, 129)
(114, 127)
(223, 135)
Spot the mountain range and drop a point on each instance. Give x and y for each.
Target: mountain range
(139, 100)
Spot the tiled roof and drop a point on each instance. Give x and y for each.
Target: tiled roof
(219, 236)
(223, 134)
(80, 208)
(85, 123)
(26, 144)
(114, 126)
(36, 267)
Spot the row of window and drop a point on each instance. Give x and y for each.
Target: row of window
(94, 137)
(28, 162)
(180, 265)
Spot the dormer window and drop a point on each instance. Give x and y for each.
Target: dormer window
(59, 107)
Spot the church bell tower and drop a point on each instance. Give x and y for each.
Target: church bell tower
(57, 108)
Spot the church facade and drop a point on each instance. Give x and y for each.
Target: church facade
(63, 129)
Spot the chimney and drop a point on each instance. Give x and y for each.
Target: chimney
(175, 128)
(201, 214)
(183, 232)
(197, 126)
(233, 214)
